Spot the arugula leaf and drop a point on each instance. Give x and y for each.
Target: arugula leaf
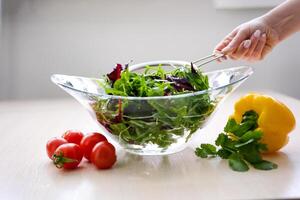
(236, 163)
(161, 121)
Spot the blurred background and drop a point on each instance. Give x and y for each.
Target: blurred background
(87, 37)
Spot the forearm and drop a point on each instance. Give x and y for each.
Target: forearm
(284, 19)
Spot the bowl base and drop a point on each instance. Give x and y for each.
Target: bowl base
(152, 152)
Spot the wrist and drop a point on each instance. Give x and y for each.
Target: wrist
(274, 25)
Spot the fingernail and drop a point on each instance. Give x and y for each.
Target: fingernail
(257, 33)
(264, 35)
(247, 44)
(227, 49)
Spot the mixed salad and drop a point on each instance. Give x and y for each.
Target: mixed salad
(158, 121)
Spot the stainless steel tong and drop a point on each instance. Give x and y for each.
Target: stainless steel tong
(198, 63)
(207, 59)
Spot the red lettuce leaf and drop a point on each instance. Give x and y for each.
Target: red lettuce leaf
(180, 84)
(115, 74)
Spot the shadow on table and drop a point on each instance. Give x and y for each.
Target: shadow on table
(185, 165)
(136, 175)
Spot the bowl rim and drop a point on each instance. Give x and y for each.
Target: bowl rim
(248, 69)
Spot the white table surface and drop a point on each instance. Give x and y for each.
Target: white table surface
(27, 173)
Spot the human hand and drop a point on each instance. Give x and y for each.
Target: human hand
(250, 41)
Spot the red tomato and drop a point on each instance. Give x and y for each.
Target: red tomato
(103, 155)
(73, 136)
(67, 156)
(52, 145)
(89, 141)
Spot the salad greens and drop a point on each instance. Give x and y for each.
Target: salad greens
(154, 121)
(239, 143)
(155, 81)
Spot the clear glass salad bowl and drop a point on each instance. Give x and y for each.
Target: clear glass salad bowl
(152, 125)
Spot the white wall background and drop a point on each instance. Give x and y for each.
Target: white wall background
(86, 37)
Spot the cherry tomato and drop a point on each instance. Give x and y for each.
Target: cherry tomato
(103, 155)
(52, 145)
(67, 156)
(89, 141)
(73, 136)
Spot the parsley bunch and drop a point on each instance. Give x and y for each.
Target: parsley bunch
(240, 144)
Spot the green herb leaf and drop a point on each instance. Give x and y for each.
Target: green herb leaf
(223, 153)
(206, 150)
(250, 152)
(250, 115)
(158, 121)
(231, 126)
(244, 128)
(262, 147)
(236, 163)
(249, 122)
(255, 135)
(201, 153)
(240, 145)
(265, 165)
(222, 138)
(210, 149)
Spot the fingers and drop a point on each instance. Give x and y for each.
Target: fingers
(241, 50)
(236, 41)
(223, 58)
(258, 51)
(255, 37)
(222, 45)
(240, 44)
(225, 41)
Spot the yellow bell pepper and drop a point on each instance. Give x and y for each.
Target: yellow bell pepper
(275, 120)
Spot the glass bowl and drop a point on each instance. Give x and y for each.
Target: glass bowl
(152, 125)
